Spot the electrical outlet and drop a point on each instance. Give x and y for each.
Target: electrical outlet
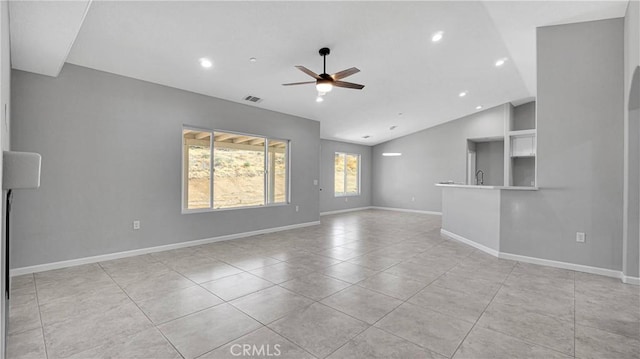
(136, 225)
(580, 237)
(297, 208)
(413, 199)
(315, 182)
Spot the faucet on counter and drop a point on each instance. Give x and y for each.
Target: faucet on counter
(479, 177)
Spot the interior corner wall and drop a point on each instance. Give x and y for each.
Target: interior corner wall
(631, 228)
(328, 201)
(5, 96)
(430, 156)
(579, 152)
(111, 153)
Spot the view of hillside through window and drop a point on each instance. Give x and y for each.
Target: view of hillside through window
(244, 172)
(198, 165)
(346, 174)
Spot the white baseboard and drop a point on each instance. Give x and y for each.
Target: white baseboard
(344, 210)
(137, 252)
(545, 262)
(563, 265)
(630, 280)
(406, 210)
(460, 238)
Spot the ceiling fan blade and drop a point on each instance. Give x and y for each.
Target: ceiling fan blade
(348, 85)
(308, 72)
(299, 83)
(344, 73)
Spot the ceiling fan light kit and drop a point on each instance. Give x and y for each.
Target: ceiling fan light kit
(325, 82)
(324, 86)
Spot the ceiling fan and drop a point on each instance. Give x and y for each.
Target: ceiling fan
(325, 82)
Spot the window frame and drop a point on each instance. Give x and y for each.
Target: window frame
(211, 208)
(345, 193)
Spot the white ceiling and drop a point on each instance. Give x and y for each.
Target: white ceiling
(42, 33)
(410, 81)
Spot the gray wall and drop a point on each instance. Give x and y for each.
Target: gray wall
(473, 214)
(632, 139)
(5, 87)
(523, 170)
(524, 116)
(328, 202)
(490, 159)
(633, 194)
(111, 153)
(429, 156)
(580, 154)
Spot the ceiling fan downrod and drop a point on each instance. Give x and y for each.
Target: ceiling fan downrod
(324, 52)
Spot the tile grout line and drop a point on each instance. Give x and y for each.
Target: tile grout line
(396, 307)
(518, 338)
(484, 310)
(423, 288)
(350, 286)
(290, 341)
(325, 305)
(273, 321)
(221, 345)
(140, 309)
(575, 328)
(35, 287)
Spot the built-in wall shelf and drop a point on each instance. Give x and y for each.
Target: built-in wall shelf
(520, 150)
(523, 145)
(531, 132)
(509, 160)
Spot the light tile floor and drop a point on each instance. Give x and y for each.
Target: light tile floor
(369, 284)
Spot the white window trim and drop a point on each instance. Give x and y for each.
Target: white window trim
(184, 204)
(345, 193)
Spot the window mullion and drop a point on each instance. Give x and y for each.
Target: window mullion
(344, 174)
(211, 171)
(359, 177)
(266, 173)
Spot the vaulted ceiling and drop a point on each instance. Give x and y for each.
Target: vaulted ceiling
(410, 81)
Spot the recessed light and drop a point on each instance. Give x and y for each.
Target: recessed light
(319, 99)
(253, 59)
(365, 137)
(479, 107)
(501, 61)
(437, 36)
(393, 128)
(392, 154)
(206, 63)
(463, 94)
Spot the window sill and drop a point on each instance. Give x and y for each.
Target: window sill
(208, 210)
(346, 195)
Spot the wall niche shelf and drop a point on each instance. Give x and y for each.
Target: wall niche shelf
(523, 145)
(520, 150)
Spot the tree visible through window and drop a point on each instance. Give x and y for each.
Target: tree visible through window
(227, 170)
(346, 174)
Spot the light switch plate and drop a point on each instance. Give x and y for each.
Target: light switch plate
(580, 237)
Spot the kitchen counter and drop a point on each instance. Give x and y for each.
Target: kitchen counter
(508, 188)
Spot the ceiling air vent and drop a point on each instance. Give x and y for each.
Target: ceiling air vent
(365, 137)
(252, 99)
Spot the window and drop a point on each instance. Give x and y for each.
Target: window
(346, 174)
(230, 170)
